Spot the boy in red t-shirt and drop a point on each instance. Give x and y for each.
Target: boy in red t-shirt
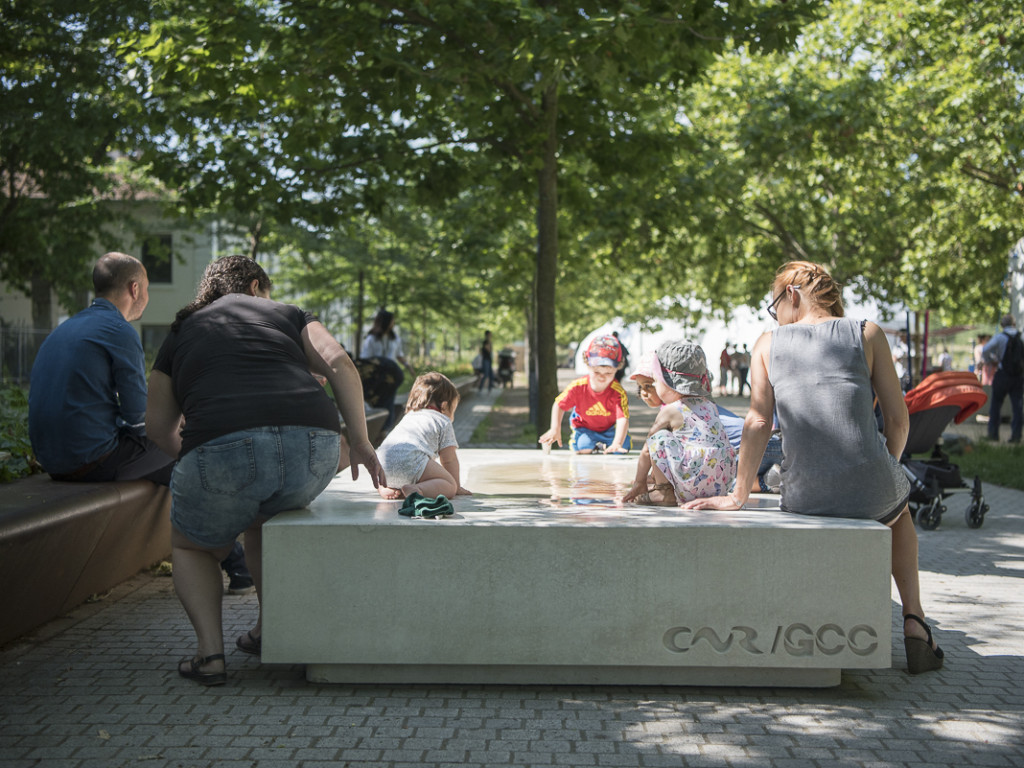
(599, 405)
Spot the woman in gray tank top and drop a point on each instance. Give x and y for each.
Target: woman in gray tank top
(818, 370)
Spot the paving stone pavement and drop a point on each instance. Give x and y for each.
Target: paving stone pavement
(98, 688)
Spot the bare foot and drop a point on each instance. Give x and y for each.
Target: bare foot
(391, 494)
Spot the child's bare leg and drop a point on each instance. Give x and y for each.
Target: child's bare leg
(434, 481)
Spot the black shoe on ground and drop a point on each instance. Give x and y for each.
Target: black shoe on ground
(239, 579)
(240, 585)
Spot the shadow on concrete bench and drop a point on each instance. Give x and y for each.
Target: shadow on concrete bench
(61, 543)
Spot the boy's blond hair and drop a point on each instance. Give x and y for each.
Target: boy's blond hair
(431, 390)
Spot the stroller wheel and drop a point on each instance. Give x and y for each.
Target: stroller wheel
(930, 516)
(975, 514)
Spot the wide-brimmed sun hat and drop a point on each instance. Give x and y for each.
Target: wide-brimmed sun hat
(645, 367)
(682, 366)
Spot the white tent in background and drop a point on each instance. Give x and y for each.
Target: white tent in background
(745, 326)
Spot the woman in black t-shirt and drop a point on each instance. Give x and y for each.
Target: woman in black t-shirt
(233, 396)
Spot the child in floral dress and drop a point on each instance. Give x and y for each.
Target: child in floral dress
(687, 453)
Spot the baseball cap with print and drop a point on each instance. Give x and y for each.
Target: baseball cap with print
(604, 350)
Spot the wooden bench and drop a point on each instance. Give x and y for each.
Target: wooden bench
(61, 543)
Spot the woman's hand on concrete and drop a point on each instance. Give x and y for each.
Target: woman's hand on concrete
(363, 453)
(714, 502)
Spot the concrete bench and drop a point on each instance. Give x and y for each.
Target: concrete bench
(540, 578)
(61, 543)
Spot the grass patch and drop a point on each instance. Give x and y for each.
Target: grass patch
(16, 458)
(529, 436)
(998, 464)
(480, 433)
(502, 425)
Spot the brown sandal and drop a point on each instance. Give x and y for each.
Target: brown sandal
(645, 498)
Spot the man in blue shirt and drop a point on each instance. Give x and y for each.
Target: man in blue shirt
(87, 399)
(1006, 382)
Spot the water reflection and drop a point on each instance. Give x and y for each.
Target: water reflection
(560, 482)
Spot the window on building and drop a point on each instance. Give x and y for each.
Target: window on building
(152, 338)
(157, 257)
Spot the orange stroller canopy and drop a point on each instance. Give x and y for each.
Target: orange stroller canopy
(959, 388)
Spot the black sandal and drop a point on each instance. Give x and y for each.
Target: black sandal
(921, 657)
(248, 643)
(203, 678)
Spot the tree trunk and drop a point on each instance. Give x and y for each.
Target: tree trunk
(255, 239)
(547, 262)
(42, 304)
(529, 361)
(357, 344)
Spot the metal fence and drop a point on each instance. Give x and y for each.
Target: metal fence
(18, 347)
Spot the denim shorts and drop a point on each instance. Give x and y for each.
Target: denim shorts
(225, 485)
(584, 439)
(772, 455)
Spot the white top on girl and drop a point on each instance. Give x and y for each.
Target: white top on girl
(419, 437)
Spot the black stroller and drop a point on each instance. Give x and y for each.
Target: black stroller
(933, 404)
(506, 367)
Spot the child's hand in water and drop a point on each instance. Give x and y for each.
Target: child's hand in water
(615, 449)
(551, 436)
(638, 487)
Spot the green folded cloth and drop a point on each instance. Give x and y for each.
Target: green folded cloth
(418, 505)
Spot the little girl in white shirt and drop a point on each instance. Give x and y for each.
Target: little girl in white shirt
(419, 454)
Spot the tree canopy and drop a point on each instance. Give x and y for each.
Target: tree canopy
(885, 145)
(468, 157)
(356, 102)
(66, 112)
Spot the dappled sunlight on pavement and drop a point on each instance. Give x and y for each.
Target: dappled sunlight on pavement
(98, 687)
